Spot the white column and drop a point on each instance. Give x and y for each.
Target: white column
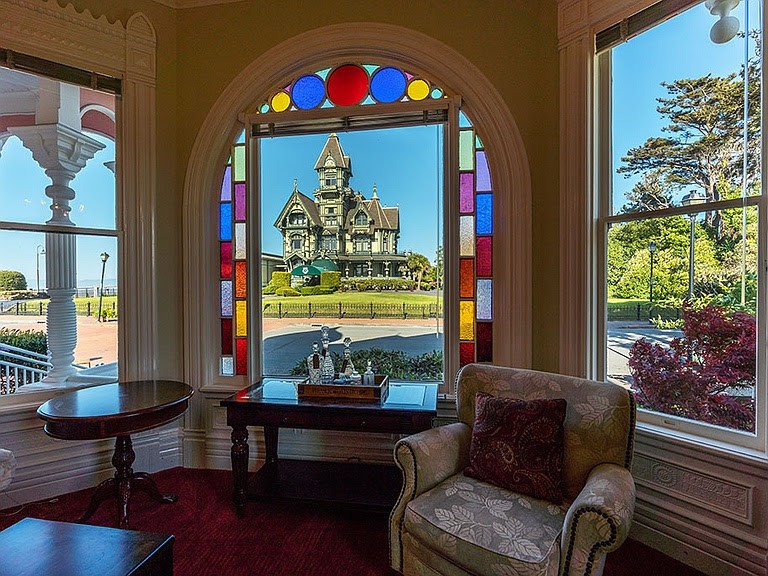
(61, 151)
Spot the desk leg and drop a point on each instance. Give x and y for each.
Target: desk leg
(240, 467)
(271, 434)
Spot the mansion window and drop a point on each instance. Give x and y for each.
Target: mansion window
(296, 243)
(423, 116)
(681, 219)
(329, 243)
(59, 233)
(331, 221)
(297, 219)
(330, 210)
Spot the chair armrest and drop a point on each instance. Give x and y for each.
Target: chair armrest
(426, 459)
(598, 521)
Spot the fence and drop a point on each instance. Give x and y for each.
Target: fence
(19, 367)
(349, 310)
(40, 308)
(631, 311)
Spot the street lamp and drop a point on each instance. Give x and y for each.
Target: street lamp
(651, 250)
(691, 199)
(104, 257)
(40, 250)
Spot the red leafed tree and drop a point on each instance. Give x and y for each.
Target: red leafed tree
(708, 374)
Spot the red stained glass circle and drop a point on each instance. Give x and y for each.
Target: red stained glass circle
(347, 85)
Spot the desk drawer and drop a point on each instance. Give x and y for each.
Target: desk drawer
(320, 420)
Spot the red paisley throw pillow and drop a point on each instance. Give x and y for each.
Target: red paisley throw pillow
(519, 445)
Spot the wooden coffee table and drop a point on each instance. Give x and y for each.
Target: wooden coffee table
(273, 403)
(117, 410)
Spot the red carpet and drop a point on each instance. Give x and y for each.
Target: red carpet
(276, 538)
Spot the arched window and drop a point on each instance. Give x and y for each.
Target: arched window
(409, 100)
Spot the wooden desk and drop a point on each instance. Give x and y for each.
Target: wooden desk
(273, 403)
(33, 547)
(117, 410)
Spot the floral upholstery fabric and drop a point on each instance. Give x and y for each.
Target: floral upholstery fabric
(441, 526)
(7, 466)
(486, 528)
(599, 420)
(518, 445)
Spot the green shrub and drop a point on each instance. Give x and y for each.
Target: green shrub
(108, 313)
(280, 280)
(315, 290)
(287, 291)
(268, 289)
(21, 295)
(378, 284)
(330, 279)
(12, 280)
(394, 363)
(32, 340)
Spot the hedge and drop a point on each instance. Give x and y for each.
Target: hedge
(379, 284)
(32, 340)
(287, 291)
(315, 290)
(330, 279)
(280, 280)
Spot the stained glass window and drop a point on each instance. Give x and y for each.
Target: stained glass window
(233, 264)
(347, 85)
(475, 248)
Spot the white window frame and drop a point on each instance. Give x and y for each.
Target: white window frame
(127, 52)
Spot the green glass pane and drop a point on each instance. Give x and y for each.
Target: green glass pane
(437, 93)
(238, 164)
(370, 68)
(323, 73)
(466, 150)
(264, 108)
(478, 143)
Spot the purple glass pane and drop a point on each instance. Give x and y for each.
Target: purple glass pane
(466, 192)
(483, 175)
(485, 341)
(240, 202)
(226, 185)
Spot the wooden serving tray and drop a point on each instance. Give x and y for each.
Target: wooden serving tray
(376, 393)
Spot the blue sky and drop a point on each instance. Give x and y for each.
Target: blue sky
(23, 199)
(677, 48)
(404, 163)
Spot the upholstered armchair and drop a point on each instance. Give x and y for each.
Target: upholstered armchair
(446, 522)
(7, 466)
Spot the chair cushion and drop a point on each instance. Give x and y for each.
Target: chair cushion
(7, 466)
(486, 529)
(519, 444)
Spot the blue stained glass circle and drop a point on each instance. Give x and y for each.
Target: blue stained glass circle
(308, 91)
(388, 84)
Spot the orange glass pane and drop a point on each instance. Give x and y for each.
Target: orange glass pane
(467, 278)
(240, 282)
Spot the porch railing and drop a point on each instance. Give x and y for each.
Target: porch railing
(19, 367)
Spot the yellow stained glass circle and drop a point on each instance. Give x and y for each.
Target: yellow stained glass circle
(418, 89)
(280, 101)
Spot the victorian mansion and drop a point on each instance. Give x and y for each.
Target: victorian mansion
(359, 236)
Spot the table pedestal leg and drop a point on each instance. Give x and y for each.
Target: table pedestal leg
(119, 486)
(239, 455)
(271, 434)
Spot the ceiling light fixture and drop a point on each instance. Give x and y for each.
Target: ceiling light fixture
(727, 26)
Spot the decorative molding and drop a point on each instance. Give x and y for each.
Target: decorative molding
(315, 49)
(714, 494)
(180, 4)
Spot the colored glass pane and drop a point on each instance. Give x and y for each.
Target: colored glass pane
(240, 201)
(484, 299)
(327, 104)
(226, 336)
(227, 366)
(323, 73)
(226, 298)
(467, 278)
(242, 356)
(241, 318)
(225, 221)
(368, 100)
(478, 143)
(347, 85)
(466, 150)
(308, 92)
(484, 213)
(226, 260)
(464, 121)
(466, 192)
(484, 256)
(418, 89)
(240, 280)
(238, 164)
(437, 93)
(280, 102)
(388, 84)
(370, 68)
(240, 246)
(466, 236)
(485, 341)
(483, 175)
(241, 137)
(226, 185)
(466, 320)
(466, 353)
(264, 108)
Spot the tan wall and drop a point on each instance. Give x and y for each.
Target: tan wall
(513, 42)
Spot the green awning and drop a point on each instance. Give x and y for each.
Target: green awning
(325, 264)
(306, 270)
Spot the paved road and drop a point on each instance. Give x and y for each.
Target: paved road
(621, 336)
(283, 347)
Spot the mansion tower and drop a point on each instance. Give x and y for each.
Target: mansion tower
(359, 236)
